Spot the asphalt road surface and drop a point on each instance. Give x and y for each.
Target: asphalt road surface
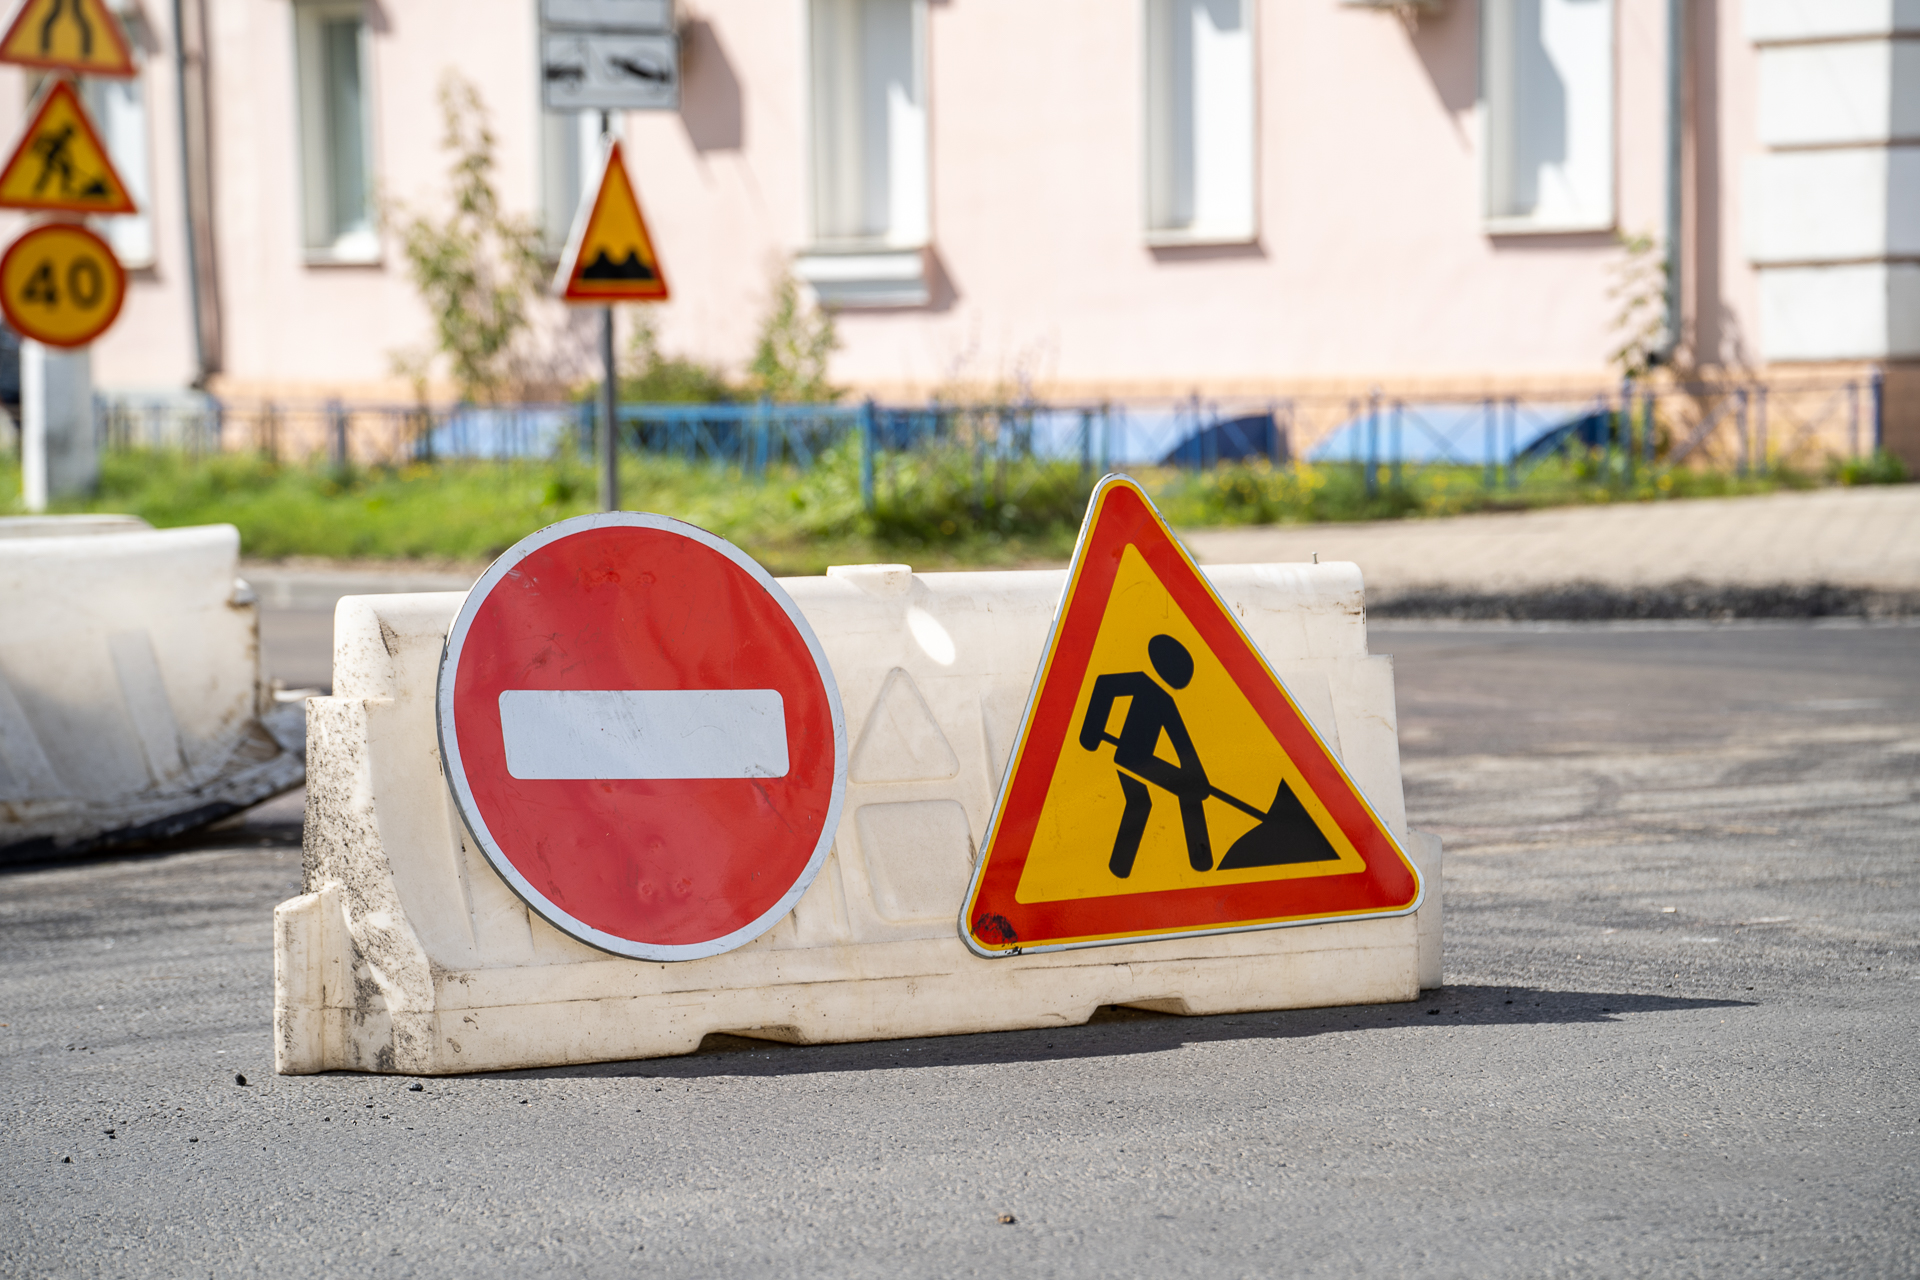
(296, 646)
(1678, 1038)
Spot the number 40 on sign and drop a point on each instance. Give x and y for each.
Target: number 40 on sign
(60, 284)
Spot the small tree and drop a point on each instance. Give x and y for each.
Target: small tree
(479, 267)
(790, 361)
(653, 377)
(1640, 291)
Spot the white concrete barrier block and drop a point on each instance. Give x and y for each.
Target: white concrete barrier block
(131, 701)
(409, 953)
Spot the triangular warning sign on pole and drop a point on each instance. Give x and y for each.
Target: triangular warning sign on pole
(610, 256)
(67, 35)
(1164, 783)
(60, 162)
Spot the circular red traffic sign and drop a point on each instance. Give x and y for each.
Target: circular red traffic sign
(643, 735)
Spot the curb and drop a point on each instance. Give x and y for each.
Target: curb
(1688, 599)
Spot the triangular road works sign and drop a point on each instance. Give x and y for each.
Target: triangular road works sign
(610, 256)
(67, 35)
(60, 162)
(1164, 783)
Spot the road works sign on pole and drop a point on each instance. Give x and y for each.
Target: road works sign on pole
(1164, 783)
(60, 284)
(67, 35)
(643, 735)
(610, 255)
(60, 164)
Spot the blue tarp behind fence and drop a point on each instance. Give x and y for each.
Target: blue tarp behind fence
(1492, 433)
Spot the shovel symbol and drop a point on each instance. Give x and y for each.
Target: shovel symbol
(1284, 833)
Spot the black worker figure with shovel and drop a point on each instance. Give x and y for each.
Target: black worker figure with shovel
(1284, 834)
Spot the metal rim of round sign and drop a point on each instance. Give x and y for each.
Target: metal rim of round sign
(446, 724)
(25, 324)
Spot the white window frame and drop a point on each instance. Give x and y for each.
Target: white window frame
(909, 193)
(322, 241)
(1223, 151)
(130, 234)
(570, 154)
(864, 267)
(1495, 139)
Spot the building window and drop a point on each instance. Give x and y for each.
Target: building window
(1546, 102)
(869, 122)
(570, 155)
(119, 110)
(1200, 122)
(869, 152)
(336, 151)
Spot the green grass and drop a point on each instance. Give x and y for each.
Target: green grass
(934, 510)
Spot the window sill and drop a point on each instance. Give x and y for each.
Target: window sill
(324, 258)
(866, 277)
(356, 249)
(1183, 239)
(1536, 227)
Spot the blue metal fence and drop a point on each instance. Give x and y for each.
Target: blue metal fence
(1740, 425)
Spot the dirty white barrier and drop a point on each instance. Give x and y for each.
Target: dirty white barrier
(131, 703)
(408, 953)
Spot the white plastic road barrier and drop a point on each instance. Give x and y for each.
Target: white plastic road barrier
(408, 953)
(131, 703)
(68, 526)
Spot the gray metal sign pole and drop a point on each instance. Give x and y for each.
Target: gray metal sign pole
(609, 432)
(609, 388)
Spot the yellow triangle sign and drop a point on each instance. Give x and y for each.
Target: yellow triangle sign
(60, 162)
(1164, 783)
(610, 257)
(67, 35)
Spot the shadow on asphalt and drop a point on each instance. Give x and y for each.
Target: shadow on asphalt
(1113, 1031)
(235, 831)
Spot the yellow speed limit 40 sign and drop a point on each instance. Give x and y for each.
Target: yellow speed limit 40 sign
(60, 284)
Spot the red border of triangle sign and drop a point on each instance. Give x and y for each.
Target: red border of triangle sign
(69, 149)
(42, 23)
(610, 255)
(1358, 871)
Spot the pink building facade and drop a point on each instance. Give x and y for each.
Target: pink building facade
(1080, 198)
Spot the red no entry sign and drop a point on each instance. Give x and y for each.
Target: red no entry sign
(643, 735)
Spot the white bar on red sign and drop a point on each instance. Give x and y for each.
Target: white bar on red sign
(602, 735)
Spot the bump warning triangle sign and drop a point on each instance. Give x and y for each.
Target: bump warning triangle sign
(1164, 783)
(67, 35)
(610, 257)
(60, 162)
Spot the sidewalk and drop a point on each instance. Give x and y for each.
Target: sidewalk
(1865, 539)
(299, 588)
(1849, 543)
